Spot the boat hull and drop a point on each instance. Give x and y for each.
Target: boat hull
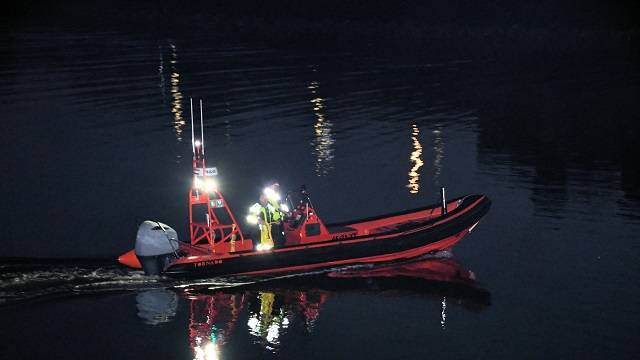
(408, 242)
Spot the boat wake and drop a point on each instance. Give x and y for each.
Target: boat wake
(29, 279)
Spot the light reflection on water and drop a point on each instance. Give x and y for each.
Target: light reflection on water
(265, 325)
(438, 147)
(212, 321)
(176, 97)
(269, 312)
(416, 160)
(323, 141)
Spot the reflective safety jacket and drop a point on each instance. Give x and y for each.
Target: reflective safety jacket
(273, 198)
(268, 213)
(274, 207)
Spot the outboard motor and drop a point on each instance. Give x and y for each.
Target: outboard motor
(156, 243)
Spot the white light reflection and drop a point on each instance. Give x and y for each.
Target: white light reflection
(323, 141)
(161, 74)
(273, 332)
(416, 160)
(205, 350)
(443, 314)
(265, 325)
(438, 147)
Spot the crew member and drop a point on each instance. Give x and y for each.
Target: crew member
(273, 197)
(267, 214)
(262, 213)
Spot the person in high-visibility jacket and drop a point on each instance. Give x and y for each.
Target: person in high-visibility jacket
(273, 197)
(268, 215)
(262, 213)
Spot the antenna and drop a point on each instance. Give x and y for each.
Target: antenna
(193, 146)
(201, 128)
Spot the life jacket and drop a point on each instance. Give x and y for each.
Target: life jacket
(267, 213)
(274, 206)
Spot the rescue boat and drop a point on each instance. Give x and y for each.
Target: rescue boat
(218, 246)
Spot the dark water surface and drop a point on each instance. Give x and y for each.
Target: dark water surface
(535, 106)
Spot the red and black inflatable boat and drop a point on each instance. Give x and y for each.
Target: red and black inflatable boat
(218, 246)
(402, 235)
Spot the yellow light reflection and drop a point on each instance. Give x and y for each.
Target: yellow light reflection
(416, 160)
(323, 141)
(266, 325)
(174, 88)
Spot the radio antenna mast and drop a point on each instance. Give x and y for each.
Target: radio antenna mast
(193, 146)
(201, 128)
